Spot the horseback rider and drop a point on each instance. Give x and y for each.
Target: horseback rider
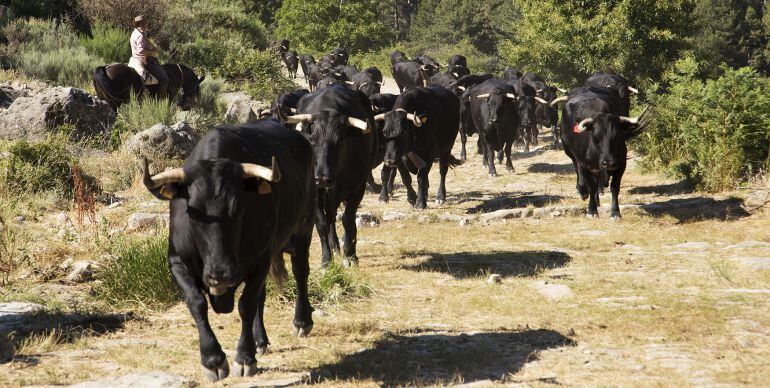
(144, 55)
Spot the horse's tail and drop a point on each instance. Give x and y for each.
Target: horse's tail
(103, 87)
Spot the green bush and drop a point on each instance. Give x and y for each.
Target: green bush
(108, 43)
(138, 274)
(140, 116)
(716, 133)
(39, 167)
(259, 72)
(325, 287)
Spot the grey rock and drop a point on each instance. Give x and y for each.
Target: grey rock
(748, 245)
(241, 112)
(393, 215)
(8, 95)
(494, 279)
(138, 221)
(14, 315)
(552, 291)
(34, 117)
(162, 142)
(694, 246)
(19, 219)
(506, 214)
(82, 271)
(153, 379)
(294, 379)
(755, 263)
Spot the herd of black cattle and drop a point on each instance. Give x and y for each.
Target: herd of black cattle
(250, 193)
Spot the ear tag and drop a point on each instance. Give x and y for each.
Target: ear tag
(167, 192)
(576, 128)
(424, 120)
(264, 188)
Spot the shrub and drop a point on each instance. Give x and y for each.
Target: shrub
(122, 13)
(325, 287)
(260, 73)
(138, 274)
(39, 167)
(716, 133)
(108, 43)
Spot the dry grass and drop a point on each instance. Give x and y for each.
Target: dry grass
(646, 310)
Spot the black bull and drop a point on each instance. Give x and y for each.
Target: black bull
(117, 83)
(594, 130)
(338, 122)
(244, 197)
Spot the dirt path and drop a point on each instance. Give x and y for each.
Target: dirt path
(677, 293)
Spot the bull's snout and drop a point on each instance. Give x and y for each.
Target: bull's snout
(390, 162)
(609, 165)
(324, 182)
(221, 276)
(492, 121)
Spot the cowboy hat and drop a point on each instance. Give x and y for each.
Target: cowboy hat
(138, 19)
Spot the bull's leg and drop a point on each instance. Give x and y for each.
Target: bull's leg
(422, 187)
(322, 226)
(507, 149)
(331, 218)
(526, 141)
(371, 184)
(245, 363)
(392, 180)
(582, 187)
(535, 134)
(258, 329)
(213, 358)
(615, 190)
(593, 198)
(443, 169)
(300, 267)
(480, 148)
(490, 155)
(463, 140)
(385, 176)
(351, 231)
(555, 134)
(406, 178)
(500, 157)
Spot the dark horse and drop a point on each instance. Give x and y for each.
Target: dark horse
(115, 83)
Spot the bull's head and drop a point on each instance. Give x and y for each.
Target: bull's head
(399, 131)
(208, 194)
(326, 131)
(608, 134)
(496, 105)
(191, 91)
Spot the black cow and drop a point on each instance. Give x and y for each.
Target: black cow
(313, 76)
(304, 59)
(328, 81)
(467, 129)
(291, 60)
(340, 56)
(376, 74)
(326, 65)
(494, 113)
(397, 56)
(545, 114)
(366, 83)
(446, 80)
(245, 196)
(337, 120)
(286, 104)
(527, 103)
(421, 128)
(622, 85)
(594, 130)
(428, 61)
(382, 103)
(283, 47)
(344, 73)
(458, 66)
(410, 75)
(510, 73)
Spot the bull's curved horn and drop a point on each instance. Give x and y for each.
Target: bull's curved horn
(293, 110)
(582, 126)
(412, 117)
(540, 100)
(380, 83)
(511, 96)
(350, 82)
(559, 100)
(171, 176)
(461, 88)
(424, 67)
(485, 95)
(561, 90)
(294, 119)
(272, 174)
(456, 75)
(265, 113)
(633, 90)
(539, 90)
(379, 117)
(634, 120)
(358, 123)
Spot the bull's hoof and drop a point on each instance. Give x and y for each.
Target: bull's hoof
(244, 370)
(592, 215)
(615, 217)
(526, 149)
(493, 175)
(384, 199)
(263, 349)
(439, 202)
(509, 168)
(350, 262)
(217, 373)
(301, 332)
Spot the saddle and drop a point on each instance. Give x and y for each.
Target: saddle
(145, 75)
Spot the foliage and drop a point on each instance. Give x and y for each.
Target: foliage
(568, 40)
(122, 13)
(138, 274)
(325, 287)
(356, 24)
(477, 61)
(258, 72)
(39, 167)
(716, 133)
(108, 43)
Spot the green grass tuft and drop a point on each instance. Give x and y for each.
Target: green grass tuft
(325, 287)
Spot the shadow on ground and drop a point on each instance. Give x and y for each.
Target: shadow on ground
(681, 187)
(439, 359)
(698, 209)
(548, 168)
(466, 264)
(62, 327)
(514, 200)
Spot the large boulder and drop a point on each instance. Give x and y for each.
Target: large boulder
(8, 95)
(241, 108)
(162, 143)
(33, 117)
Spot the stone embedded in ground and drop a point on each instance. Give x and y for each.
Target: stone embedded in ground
(506, 214)
(14, 315)
(552, 291)
(82, 271)
(494, 279)
(293, 379)
(241, 112)
(9, 94)
(138, 221)
(391, 215)
(693, 246)
(34, 117)
(755, 263)
(593, 233)
(748, 245)
(161, 142)
(154, 379)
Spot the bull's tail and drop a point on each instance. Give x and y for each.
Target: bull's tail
(454, 162)
(278, 270)
(643, 121)
(104, 88)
